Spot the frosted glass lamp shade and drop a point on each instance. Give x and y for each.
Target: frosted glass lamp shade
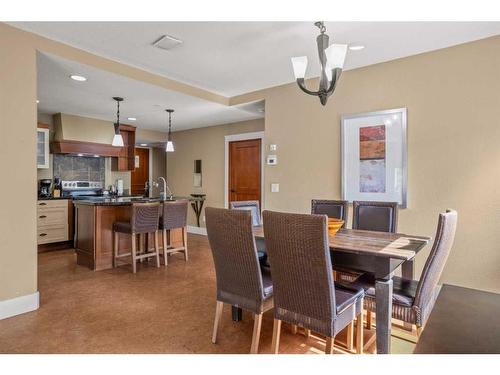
(299, 66)
(117, 140)
(170, 147)
(335, 56)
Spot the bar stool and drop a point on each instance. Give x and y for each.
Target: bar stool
(145, 218)
(174, 217)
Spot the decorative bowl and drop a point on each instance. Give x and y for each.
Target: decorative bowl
(334, 225)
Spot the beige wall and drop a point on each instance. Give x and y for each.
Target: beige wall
(453, 101)
(18, 253)
(206, 144)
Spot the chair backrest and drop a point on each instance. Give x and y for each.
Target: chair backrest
(332, 208)
(376, 216)
(434, 265)
(237, 269)
(252, 206)
(145, 217)
(175, 214)
(301, 267)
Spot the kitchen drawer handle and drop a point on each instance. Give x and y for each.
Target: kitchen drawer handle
(43, 234)
(42, 204)
(42, 216)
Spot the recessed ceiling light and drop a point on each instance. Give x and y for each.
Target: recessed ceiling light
(131, 118)
(78, 78)
(356, 47)
(144, 144)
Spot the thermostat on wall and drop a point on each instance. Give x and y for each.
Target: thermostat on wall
(272, 160)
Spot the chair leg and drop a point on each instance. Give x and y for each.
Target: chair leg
(141, 246)
(218, 316)
(369, 319)
(294, 329)
(254, 349)
(157, 250)
(276, 336)
(359, 334)
(329, 345)
(419, 331)
(134, 254)
(184, 243)
(115, 247)
(307, 333)
(350, 336)
(165, 245)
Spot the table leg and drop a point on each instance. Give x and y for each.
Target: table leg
(407, 272)
(383, 298)
(236, 312)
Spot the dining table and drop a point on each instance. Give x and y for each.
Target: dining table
(376, 253)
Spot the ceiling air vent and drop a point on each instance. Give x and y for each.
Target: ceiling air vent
(167, 42)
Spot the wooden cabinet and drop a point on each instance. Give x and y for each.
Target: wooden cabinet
(126, 158)
(42, 148)
(53, 219)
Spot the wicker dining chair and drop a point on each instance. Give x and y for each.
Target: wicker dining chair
(241, 282)
(413, 300)
(304, 290)
(254, 208)
(174, 216)
(332, 208)
(144, 220)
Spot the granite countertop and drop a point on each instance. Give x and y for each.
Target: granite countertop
(127, 201)
(51, 198)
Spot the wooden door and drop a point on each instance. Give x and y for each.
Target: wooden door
(245, 170)
(141, 172)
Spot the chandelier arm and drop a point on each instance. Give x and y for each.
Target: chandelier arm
(301, 83)
(335, 78)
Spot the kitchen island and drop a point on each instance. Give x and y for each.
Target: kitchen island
(94, 229)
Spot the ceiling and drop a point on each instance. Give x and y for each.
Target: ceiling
(231, 58)
(57, 92)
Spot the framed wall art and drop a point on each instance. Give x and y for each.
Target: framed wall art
(374, 156)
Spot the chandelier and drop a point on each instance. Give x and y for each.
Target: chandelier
(332, 61)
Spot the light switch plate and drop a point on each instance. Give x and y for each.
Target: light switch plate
(273, 147)
(275, 188)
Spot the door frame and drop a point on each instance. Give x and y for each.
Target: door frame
(243, 137)
(150, 169)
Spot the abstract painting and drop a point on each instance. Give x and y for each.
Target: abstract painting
(372, 159)
(374, 156)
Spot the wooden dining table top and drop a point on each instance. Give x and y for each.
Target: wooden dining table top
(380, 244)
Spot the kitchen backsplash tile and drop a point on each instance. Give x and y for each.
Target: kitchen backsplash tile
(79, 168)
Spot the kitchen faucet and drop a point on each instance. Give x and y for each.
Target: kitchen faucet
(163, 194)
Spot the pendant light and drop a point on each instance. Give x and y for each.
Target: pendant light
(170, 144)
(117, 139)
(331, 57)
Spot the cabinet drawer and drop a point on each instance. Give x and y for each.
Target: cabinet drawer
(55, 203)
(52, 216)
(52, 234)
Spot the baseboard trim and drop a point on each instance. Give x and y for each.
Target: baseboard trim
(197, 230)
(19, 305)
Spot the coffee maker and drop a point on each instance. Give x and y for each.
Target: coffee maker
(44, 188)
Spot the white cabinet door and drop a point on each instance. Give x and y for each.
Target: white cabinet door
(42, 148)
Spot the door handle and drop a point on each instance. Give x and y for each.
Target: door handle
(42, 204)
(43, 234)
(233, 191)
(42, 216)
